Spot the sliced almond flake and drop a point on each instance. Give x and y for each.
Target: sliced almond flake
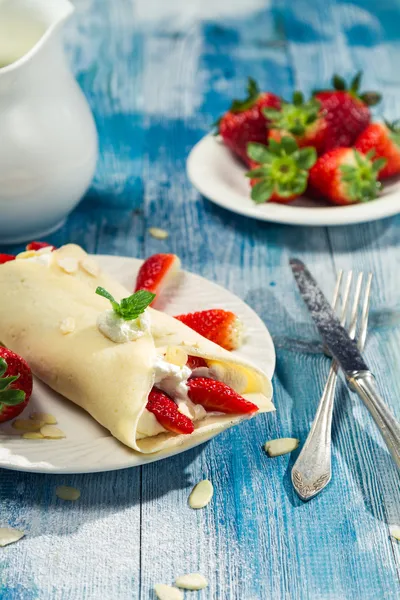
(26, 254)
(192, 581)
(158, 233)
(281, 446)
(46, 418)
(67, 325)
(68, 264)
(90, 266)
(201, 494)
(176, 356)
(394, 531)
(51, 432)
(32, 435)
(27, 424)
(65, 492)
(167, 592)
(8, 535)
(45, 250)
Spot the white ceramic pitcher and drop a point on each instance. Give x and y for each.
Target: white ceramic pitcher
(48, 140)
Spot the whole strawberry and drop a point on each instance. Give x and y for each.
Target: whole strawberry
(344, 176)
(330, 119)
(282, 171)
(15, 384)
(245, 122)
(384, 140)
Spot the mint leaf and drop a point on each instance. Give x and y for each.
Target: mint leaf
(129, 308)
(102, 292)
(12, 397)
(3, 367)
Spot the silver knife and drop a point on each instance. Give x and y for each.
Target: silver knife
(345, 351)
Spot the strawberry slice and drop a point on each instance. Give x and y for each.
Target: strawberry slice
(156, 272)
(195, 362)
(167, 414)
(15, 384)
(6, 258)
(39, 245)
(219, 326)
(217, 396)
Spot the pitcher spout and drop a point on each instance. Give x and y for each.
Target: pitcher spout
(25, 26)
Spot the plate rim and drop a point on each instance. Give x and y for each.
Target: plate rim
(285, 214)
(138, 459)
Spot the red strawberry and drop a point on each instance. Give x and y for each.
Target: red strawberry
(15, 384)
(195, 362)
(220, 326)
(167, 414)
(245, 122)
(39, 246)
(282, 171)
(330, 119)
(217, 396)
(344, 176)
(6, 258)
(384, 139)
(156, 272)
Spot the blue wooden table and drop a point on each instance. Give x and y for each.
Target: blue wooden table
(157, 74)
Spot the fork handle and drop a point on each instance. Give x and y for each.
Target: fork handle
(364, 383)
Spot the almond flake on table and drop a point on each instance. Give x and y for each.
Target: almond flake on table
(8, 535)
(158, 233)
(67, 325)
(201, 494)
(51, 432)
(27, 424)
(65, 492)
(167, 592)
(394, 531)
(68, 264)
(32, 435)
(281, 446)
(90, 266)
(191, 581)
(47, 418)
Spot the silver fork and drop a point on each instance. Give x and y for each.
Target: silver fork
(311, 472)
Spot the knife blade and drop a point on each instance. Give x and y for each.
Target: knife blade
(335, 337)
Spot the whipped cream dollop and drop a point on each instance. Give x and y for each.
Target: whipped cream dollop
(172, 379)
(119, 330)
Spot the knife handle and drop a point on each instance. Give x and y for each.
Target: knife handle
(364, 383)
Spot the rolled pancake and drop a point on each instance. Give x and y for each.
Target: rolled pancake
(109, 380)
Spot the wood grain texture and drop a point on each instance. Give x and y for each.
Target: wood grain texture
(157, 74)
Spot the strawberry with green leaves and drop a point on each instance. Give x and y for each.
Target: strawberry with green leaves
(245, 122)
(384, 140)
(345, 176)
(281, 170)
(15, 384)
(330, 119)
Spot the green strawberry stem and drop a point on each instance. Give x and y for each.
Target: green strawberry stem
(360, 179)
(294, 117)
(129, 308)
(394, 130)
(339, 84)
(8, 395)
(283, 169)
(253, 92)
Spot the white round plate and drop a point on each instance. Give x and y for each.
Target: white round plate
(90, 448)
(219, 176)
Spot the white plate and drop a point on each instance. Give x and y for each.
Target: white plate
(219, 176)
(90, 448)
